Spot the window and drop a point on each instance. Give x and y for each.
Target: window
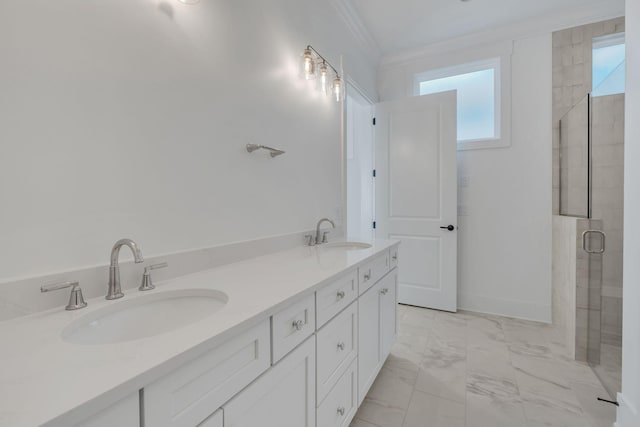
(479, 102)
(608, 65)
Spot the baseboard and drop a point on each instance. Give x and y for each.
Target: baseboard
(504, 307)
(627, 415)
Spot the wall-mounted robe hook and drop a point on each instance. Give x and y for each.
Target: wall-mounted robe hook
(273, 152)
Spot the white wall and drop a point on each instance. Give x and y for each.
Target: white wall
(629, 398)
(504, 256)
(128, 118)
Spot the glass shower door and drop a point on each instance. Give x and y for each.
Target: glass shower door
(575, 150)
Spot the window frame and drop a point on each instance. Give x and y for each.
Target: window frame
(501, 65)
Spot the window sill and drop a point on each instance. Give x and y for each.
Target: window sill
(479, 144)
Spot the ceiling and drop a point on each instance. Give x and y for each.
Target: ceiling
(398, 25)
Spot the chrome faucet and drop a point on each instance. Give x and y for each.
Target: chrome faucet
(322, 238)
(115, 290)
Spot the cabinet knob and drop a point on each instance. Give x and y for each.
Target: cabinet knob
(367, 275)
(394, 257)
(384, 291)
(341, 411)
(341, 346)
(298, 324)
(340, 295)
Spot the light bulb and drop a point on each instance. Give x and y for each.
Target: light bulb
(308, 65)
(323, 71)
(337, 88)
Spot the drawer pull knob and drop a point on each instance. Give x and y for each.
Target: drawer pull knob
(341, 411)
(298, 324)
(384, 291)
(341, 346)
(394, 257)
(340, 295)
(367, 275)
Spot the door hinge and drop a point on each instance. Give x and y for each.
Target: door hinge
(374, 173)
(374, 225)
(374, 121)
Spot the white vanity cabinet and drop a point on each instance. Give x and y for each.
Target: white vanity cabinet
(377, 324)
(310, 364)
(388, 312)
(125, 413)
(215, 420)
(283, 397)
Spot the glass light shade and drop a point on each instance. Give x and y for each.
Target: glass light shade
(337, 88)
(308, 64)
(323, 79)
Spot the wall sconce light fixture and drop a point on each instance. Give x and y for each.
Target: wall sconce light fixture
(315, 66)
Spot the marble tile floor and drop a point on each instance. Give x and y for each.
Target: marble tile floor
(475, 370)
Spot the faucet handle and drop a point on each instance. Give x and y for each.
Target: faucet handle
(76, 300)
(156, 266)
(147, 284)
(310, 239)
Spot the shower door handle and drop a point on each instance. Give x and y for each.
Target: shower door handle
(584, 241)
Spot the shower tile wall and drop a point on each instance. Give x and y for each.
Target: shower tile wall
(572, 51)
(607, 139)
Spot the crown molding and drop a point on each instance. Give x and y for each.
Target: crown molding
(514, 31)
(350, 16)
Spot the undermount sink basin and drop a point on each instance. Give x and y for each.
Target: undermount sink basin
(349, 246)
(146, 316)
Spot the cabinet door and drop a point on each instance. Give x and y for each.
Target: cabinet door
(369, 346)
(283, 397)
(388, 310)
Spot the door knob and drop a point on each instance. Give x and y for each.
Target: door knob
(448, 227)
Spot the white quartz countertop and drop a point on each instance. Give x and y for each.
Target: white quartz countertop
(47, 381)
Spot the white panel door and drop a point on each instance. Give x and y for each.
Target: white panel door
(416, 195)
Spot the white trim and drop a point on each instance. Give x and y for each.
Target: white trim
(347, 11)
(504, 307)
(559, 20)
(627, 415)
(358, 89)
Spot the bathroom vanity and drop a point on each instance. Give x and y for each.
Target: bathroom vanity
(297, 341)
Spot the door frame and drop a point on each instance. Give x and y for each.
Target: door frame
(354, 88)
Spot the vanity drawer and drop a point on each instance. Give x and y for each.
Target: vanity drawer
(340, 406)
(337, 348)
(334, 297)
(189, 394)
(393, 257)
(291, 326)
(371, 272)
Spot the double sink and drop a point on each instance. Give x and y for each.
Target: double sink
(157, 313)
